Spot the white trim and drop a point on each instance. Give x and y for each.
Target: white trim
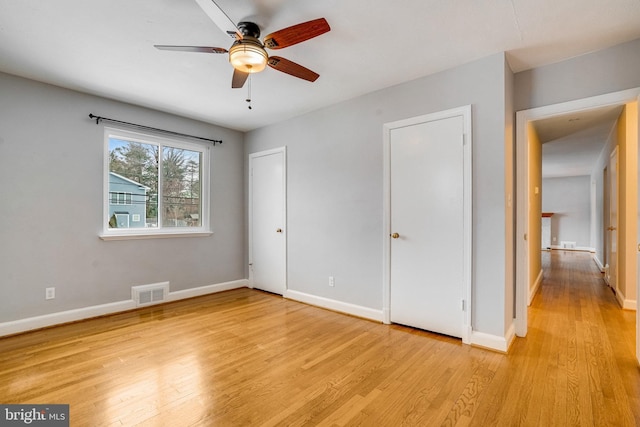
(626, 304)
(283, 151)
(130, 181)
(522, 190)
(630, 304)
(37, 322)
(465, 112)
(536, 286)
(577, 248)
(159, 235)
(620, 297)
(23, 325)
(598, 263)
(494, 342)
(335, 305)
(206, 290)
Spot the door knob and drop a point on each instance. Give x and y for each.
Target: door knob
(279, 230)
(395, 235)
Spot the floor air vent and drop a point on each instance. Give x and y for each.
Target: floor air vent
(568, 245)
(150, 294)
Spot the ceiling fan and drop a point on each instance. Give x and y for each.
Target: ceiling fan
(247, 54)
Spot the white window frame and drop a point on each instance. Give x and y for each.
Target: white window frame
(157, 232)
(118, 201)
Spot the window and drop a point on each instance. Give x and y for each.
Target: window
(120, 198)
(154, 186)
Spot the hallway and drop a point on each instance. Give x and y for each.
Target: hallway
(577, 362)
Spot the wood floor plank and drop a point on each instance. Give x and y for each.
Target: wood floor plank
(245, 357)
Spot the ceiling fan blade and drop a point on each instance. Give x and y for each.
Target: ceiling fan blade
(202, 49)
(238, 79)
(296, 34)
(290, 67)
(219, 18)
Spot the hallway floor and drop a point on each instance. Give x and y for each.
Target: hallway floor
(577, 362)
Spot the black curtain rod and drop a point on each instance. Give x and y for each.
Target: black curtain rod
(137, 126)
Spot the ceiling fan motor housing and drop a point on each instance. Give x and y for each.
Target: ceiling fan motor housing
(249, 29)
(248, 55)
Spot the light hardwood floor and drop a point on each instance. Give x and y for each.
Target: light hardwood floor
(245, 357)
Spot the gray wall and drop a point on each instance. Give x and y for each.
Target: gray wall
(569, 198)
(335, 187)
(51, 175)
(597, 73)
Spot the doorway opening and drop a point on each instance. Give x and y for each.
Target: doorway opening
(529, 177)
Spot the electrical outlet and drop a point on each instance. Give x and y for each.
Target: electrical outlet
(332, 281)
(50, 293)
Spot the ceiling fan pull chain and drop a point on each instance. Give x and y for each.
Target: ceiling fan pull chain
(249, 92)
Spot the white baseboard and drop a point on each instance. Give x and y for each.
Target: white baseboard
(205, 290)
(386, 316)
(480, 339)
(335, 305)
(494, 342)
(37, 322)
(577, 248)
(620, 297)
(536, 287)
(598, 263)
(626, 304)
(483, 340)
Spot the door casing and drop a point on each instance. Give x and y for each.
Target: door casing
(252, 159)
(522, 190)
(612, 232)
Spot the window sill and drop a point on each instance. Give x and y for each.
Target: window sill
(158, 235)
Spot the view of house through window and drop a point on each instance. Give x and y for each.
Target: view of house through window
(153, 183)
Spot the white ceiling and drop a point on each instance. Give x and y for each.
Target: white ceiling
(572, 143)
(106, 47)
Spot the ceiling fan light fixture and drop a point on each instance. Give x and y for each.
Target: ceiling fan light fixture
(248, 55)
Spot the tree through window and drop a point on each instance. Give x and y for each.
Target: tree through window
(156, 183)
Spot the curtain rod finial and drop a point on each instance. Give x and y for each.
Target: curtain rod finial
(92, 116)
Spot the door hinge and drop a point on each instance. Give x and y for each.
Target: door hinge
(463, 305)
(525, 236)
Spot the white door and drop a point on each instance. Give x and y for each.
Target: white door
(267, 220)
(427, 225)
(612, 243)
